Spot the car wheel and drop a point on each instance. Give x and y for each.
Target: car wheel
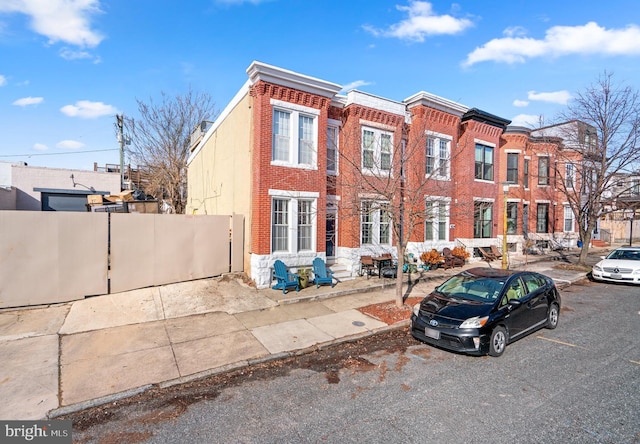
(552, 317)
(498, 342)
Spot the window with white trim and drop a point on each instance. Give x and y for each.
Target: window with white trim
(332, 149)
(568, 218)
(484, 162)
(293, 224)
(542, 218)
(512, 167)
(482, 219)
(543, 170)
(569, 175)
(295, 135)
(436, 220)
(512, 217)
(377, 150)
(375, 223)
(438, 155)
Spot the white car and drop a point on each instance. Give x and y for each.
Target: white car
(621, 265)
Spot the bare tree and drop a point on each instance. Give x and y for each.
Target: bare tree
(390, 182)
(603, 126)
(161, 142)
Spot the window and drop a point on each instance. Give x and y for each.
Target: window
(543, 170)
(438, 155)
(568, 218)
(542, 218)
(525, 177)
(436, 220)
(377, 149)
(569, 175)
(295, 134)
(512, 168)
(332, 149)
(280, 225)
(375, 223)
(512, 217)
(293, 225)
(484, 162)
(482, 219)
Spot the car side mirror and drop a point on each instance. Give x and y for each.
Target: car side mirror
(514, 303)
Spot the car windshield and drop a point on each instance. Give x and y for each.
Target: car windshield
(628, 255)
(472, 288)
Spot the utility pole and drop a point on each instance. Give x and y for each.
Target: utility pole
(120, 123)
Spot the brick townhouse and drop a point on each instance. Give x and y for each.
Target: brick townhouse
(296, 157)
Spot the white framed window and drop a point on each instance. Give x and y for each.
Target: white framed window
(293, 221)
(436, 224)
(484, 162)
(438, 155)
(569, 176)
(568, 218)
(332, 148)
(375, 223)
(295, 135)
(377, 150)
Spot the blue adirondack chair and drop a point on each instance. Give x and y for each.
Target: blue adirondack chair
(285, 279)
(322, 274)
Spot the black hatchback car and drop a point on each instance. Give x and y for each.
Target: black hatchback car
(481, 310)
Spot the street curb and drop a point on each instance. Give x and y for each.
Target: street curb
(97, 402)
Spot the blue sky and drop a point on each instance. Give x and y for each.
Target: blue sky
(67, 67)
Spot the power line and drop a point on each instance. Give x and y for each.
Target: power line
(57, 154)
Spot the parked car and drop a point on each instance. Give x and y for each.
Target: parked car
(621, 265)
(481, 310)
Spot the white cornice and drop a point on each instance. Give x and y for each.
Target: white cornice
(272, 74)
(437, 102)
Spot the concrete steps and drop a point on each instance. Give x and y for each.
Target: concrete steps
(341, 273)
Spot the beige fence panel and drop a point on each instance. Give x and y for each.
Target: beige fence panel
(50, 257)
(157, 249)
(237, 243)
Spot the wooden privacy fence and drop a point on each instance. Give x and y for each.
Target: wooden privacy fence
(51, 257)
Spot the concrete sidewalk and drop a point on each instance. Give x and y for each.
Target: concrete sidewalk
(71, 356)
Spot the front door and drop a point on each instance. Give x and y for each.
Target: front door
(331, 235)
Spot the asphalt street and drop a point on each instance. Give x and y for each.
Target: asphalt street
(579, 383)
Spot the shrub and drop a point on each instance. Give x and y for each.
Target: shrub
(431, 257)
(460, 252)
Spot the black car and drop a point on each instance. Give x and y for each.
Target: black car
(481, 310)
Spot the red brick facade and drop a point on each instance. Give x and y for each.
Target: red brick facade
(408, 124)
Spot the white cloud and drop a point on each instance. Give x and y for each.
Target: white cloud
(355, 85)
(422, 22)
(3, 80)
(527, 120)
(26, 101)
(40, 147)
(559, 97)
(88, 110)
(558, 41)
(69, 144)
(59, 20)
(520, 103)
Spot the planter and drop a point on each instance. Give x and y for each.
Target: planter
(304, 278)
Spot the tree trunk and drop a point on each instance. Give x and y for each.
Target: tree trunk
(399, 277)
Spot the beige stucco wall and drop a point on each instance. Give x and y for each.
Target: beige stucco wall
(219, 175)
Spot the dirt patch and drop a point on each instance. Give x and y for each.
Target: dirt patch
(573, 267)
(389, 312)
